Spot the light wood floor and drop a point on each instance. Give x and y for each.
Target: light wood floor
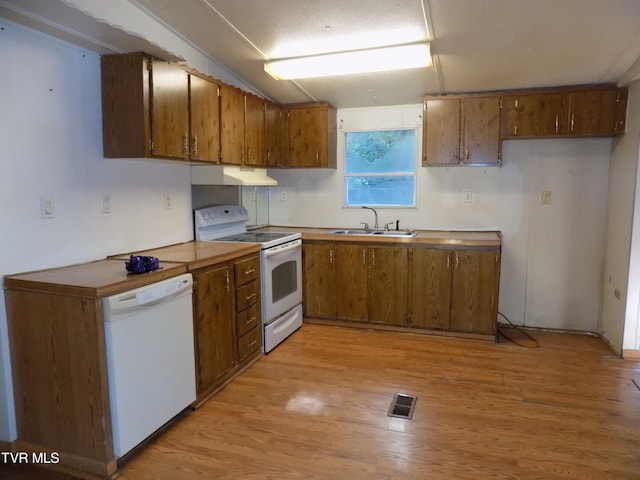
(316, 408)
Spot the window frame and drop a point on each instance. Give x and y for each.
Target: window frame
(414, 173)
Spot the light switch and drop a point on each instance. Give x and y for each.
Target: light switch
(546, 197)
(47, 209)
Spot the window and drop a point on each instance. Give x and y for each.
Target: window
(380, 168)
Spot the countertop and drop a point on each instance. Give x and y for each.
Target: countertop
(198, 254)
(453, 238)
(92, 280)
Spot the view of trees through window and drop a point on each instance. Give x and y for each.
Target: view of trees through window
(380, 168)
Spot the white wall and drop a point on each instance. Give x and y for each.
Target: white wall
(552, 254)
(622, 187)
(51, 145)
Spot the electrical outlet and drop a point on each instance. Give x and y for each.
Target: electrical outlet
(252, 195)
(106, 203)
(47, 208)
(283, 196)
(467, 195)
(546, 197)
(167, 201)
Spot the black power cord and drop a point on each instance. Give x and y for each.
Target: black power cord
(512, 325)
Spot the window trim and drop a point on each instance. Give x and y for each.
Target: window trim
(416, 163)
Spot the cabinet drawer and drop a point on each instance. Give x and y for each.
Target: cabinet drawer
(248, 319)
(249, 343)
(247, 295)
(247, 270)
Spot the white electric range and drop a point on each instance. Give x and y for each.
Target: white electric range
(280, 264)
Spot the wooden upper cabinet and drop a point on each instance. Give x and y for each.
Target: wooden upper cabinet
(584, 112)
(461, 131)
(441, 138)
(276, 136)
(204, 120)
(145, 107)
(231, 125)
(312, 136)
(480, 135)
(254, 131)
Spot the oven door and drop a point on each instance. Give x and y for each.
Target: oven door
(281, 279)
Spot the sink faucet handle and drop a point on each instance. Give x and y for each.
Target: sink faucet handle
(386, 225)
(366, 225)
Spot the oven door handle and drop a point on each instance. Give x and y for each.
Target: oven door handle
(269, 252)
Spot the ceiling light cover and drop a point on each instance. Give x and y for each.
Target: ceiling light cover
(345, 63)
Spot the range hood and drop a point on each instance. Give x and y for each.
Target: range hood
(223, 175)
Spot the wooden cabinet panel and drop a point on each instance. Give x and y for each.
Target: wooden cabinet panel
(319, 280)
(530, 116)
(430, 288)
(594, 112)
(388, 288)
(169, 111)
(231, 125)
(276, 136)
(461, 131)
(475, 281)
(441, 137)
(204, 116)
(351, 278)
(145, 107)
(254, 131)
(312, 136)
(480, 144)
(215, 325)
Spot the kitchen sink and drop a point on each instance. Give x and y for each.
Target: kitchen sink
(384, 233)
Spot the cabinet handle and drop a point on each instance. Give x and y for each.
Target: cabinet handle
(556, 123)
(227, 280)
(373, 258)
(252, 344)
(457, 260)
(466, 153)
(364, 256)
(185, 146)
(195, 146)
(253, 295)
(448, 262)
(248, 272)
(248, 153)
(515, 130)
(331, 256)
(268, 155)
(572, 118)
(455, 154)
(251, 320)
(317, 157)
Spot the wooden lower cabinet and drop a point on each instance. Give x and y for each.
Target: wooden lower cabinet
(228, 325)
(424, 288)
(430, 288)
(474, 291)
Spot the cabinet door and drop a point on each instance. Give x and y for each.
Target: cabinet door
(351, 282)
(308, 136)
(169, 111)
(204, 107)
(480, 131)
(430, 284)
(474, 291)
(388, 288)
(275, 125)
(543, 115)
(254, 131)
(441, 138)
(215, 325)
(231, 125)
(319, 280)
(593, 112)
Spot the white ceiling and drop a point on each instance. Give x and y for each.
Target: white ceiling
(477, 45)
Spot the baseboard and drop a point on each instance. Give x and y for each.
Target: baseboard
(631, 354)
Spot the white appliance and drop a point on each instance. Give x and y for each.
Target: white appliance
(280, 264)
(150, 358)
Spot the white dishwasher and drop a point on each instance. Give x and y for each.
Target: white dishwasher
(150, 358)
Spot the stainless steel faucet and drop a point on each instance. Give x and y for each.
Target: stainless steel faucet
(375, 213)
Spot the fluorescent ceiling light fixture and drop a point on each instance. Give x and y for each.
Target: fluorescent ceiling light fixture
(345, 63)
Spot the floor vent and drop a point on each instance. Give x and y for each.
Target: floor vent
(402, 406)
